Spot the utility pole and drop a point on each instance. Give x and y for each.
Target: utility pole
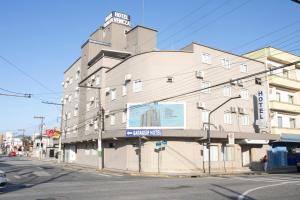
(23, 133)
(41, 134)
(208, 131)
(100, 126)
(61, 126)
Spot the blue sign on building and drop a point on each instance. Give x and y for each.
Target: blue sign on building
(143, 132)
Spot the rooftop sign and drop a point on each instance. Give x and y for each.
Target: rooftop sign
(120, 18)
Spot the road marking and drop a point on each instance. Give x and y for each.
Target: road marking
(17, 176)
(41, 173)
(116, 174)
(242, 196)
(104, 175)
(257, 179)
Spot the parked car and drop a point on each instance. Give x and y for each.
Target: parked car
(12, 153)
(3, 179)
(298, 166)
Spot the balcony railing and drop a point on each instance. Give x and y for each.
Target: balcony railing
(285, 107)
(276, 130)
(284, 82)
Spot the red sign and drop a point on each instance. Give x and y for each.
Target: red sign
(52, 133)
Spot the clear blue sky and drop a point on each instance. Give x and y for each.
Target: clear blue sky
(44, 37)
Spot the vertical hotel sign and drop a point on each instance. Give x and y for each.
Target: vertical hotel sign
(261, 110)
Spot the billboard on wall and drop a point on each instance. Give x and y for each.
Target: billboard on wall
(165, 115)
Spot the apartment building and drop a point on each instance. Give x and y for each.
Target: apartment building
(284, 96)
(143, 109)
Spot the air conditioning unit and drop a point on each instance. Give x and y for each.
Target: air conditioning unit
(242, 110)
(78, 69)
(272, 114)
(232, 82)
(240, 83)
(62, 83)
(68, 80)
(200, 105)
(106, 113)
(107, 90)
(258, 81)
(92, 99)
(170, 79)
(93, 77)
(233, 109)
(76, 106)
(91, 123)
(199, 74)
(127, 77)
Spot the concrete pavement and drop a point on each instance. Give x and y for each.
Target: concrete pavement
(36, 180)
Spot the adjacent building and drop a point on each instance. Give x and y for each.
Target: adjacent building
(284, 99)
(129, 106)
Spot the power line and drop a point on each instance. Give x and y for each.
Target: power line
(24, 73)
(16, 95)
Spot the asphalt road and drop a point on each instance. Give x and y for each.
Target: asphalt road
(37, 180)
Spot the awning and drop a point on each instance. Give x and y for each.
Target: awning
(285, 137)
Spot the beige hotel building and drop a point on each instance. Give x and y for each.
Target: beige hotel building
(131, 114)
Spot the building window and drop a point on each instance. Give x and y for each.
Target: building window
(225, 63)
(227, 91)
(124, 117)
(292, 123)
(285, 73)
(97, 81)
(113, 94)
(205, 116)
(228, 153)
(77, 74)
(244, 68)
(88, 107)
(70, 98)
(71, 80)
(205, 85)
(214, 153)
(291, 99)
(137, 86)
(76, 93)
(279, 121)
(244, 94)
(206, 58)
(278, 96)
(112, 119)
(96, 124)
(227, 117)
(124, 90)
(245, 120)
(69, 115)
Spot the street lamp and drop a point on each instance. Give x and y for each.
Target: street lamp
(100, 124)
(208, 131)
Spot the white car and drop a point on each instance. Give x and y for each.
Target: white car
(3, 179)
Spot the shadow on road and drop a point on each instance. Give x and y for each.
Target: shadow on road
(31, 179)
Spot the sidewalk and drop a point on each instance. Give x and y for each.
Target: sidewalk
(149, 174)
